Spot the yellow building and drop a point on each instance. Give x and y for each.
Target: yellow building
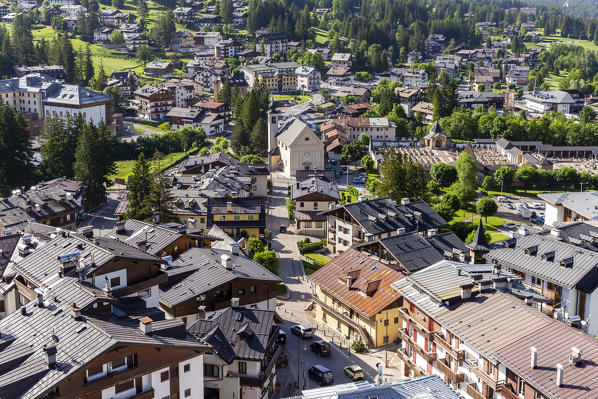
(238, 217)
(352, 296)
(279, 77)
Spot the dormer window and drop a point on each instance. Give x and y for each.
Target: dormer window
(548, 256)
(533, 250)
(567, 262)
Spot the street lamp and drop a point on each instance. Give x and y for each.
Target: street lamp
(386, 343)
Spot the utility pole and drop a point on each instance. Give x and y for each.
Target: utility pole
(581, 184)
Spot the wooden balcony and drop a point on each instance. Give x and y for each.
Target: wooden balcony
(458, 355)
(471, 391)
(357, 241)
(507, 393)
(473, 366)
(332, 230)
(404, 335)
(418, 327)
(144, 395)
(449, 372)
(408, 360)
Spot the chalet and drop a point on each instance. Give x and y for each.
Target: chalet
(127, 82)
(239, 18)
(113, 17)
(154, 102)
(208, 20)
(425, 109)
(408, 98)
(184, 91)
(310, 198)
(272, 43)
(227, 48)
(212, 124)
(54, 71)
(472, 99)
(570, 207)
(238, 217)
(308, 78)
(159, 69)
(342, 60)
(184, 14)
(339, 74)
(214, 107)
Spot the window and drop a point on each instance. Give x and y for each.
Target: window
(521, 386)
(202, 220)
(536, 281)
(385, 339)
(301, 204)
(490, 368)
(319, 225)
(187, 392)
(338, 325)
(210, 370)
(315, 205)
(186, 368)
(222, 217)
(237, 217)
(114, 282)
(241, 291)
(164, 376)
(124, 386)
(308, 224)
(324, 317)
(396, 320)
(249, 217)
(68, 218)
(242, 367)
(253, 288)
(386, 322)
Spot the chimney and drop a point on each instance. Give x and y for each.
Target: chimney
(120, 226)
(560, 374)
(234, 248)
(227, 263)
(575, 357)
(298, 185)
(191, 223)
(349, 282)
(405, 201)
(496, 270)
(201, 312)
(534, 357)
(229, 206)
(75, 311)
(485, 285)
(500, 282)
(50, 351)
(168, 260)
(156, 217)
(234, 302)
(23, 310)
(142, 245)
(145, 325)
(401, 230)
(107, 290)
(27, 239)
(528, 300)
(39, 300)
(555, 232)
(466, 291)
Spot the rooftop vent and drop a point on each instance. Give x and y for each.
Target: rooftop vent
(226, 262)
(234, 248)
(560, 374)
(575, 357)
(75, 311)
(168, 260)
(50, 352)
(120, 226)
(27, 239)
(234, 302)
(405, 201)
(142, 245)
(466, 291)
(145, 325)
(534, 357)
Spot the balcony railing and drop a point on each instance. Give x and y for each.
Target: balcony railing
(149, 394)
(473, 366)
(507, 393)
(458, 355)
(404, 335)
(471, 391)
(417, 370)
(418, 327)
(449, 372)
(345, 319)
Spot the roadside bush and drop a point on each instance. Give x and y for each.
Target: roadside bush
(290, 208)
(306, 245)
(357, 346)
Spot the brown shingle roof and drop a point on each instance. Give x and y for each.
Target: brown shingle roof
(367, 272)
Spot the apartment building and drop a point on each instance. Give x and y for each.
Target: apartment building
(310, 198)
(207, 72)
(369, 220)
(342, 59)
(279, 77)
(562, 272)
(195, 118)
(215, 279)
(378, 129)
(113, 17)
(54, 71)
(90, 329)
(469, 325)
(271, 43)
(570, 207)
(227, 48)
(238, 217)
(308, 78)
(547, 101)
(184, 91)
(154, 102)
(352, 296)
(243, 362)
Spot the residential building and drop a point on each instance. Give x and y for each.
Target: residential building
(227, 48)
(54, 71)
(339, 74)
(546, 101)
(279, 77)
(410, 77)
(452, 327)
(378, 129)
(72, 10)
(214, 107)
(183, 42)
(239, 18)
(194, 118)
(425, 109)
(342, 59)
(369, 220)
(472, 99)
(51, 205)
(514, 151)
(184, 91)
(308, 78)
(238, 217)
(236, 83)
(271, 43)
(207, 40)
(215, 279)
(352, 296)
(243, 362)
(311, 197)
(410, 252)
(417, 388)
(113, 17)
(186, 14)
(408, 98)
(159, 69)
(518, 75)
(207, 72)
(355, 110)
(126, 81)
(564, 273)
(293, 146)
(154, 102)
(570, 207)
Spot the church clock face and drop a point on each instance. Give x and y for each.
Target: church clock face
(307, 157)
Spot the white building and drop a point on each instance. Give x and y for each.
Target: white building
(570, 207)
(308, 78)
(546, 101)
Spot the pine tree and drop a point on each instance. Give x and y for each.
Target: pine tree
(57, 155)
(160, 198)
(68, 56)
(93, 161)
(596, 35)
(139, 189)
(239, 138)
(22, 40)
(226, 11)
(259, 136)
(88, 71)
(7, 56)
(15, 151)
(224, 95)
(101, 79)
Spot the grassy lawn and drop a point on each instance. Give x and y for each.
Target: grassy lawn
(288, 97)
(125, 168)
(309, 268)
(553, 80)
(321, 36)
(586, 44)
(495, 237)
(521, 193)
(319, 259)
(462, 214)
(347, 197)
(280, 290)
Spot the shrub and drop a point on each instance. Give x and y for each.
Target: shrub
(306, 245)
(290, 208)
(357, 346)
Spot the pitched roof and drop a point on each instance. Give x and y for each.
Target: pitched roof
(200, 269)
(292, 129)
(479, 242)
(370, 290)
(236, 333)
(157, 237)
(314, 186)
(585, 204)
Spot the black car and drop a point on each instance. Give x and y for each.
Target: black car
(321, 348)
(321, 374)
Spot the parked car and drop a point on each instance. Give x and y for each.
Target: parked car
(359, 179)
(337, 173)
(509, 206)
(333, 162)
(82, 215)
(321, 374)
(281, 338)
(302, 330)
(508, 226)
(321, 348)
(354, 372)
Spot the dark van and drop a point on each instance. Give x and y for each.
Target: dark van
(321, 374)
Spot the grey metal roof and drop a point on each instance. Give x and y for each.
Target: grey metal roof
(200, 269)
(314, 185)
(236, 333)
(532, 255)
(383, 215)
(157, 237)
(428, 387)
(585, 204)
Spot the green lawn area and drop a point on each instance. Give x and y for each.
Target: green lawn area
(553, 80)
(319, 259)
(522, 193)
(586, 44)
(125, 168)
(321, 36)
(289, 97)
(309, 268)
(347, 197)
(495, 237)
(280, 290)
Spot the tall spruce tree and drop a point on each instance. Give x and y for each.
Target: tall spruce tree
(16, 168)
(139, 189)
